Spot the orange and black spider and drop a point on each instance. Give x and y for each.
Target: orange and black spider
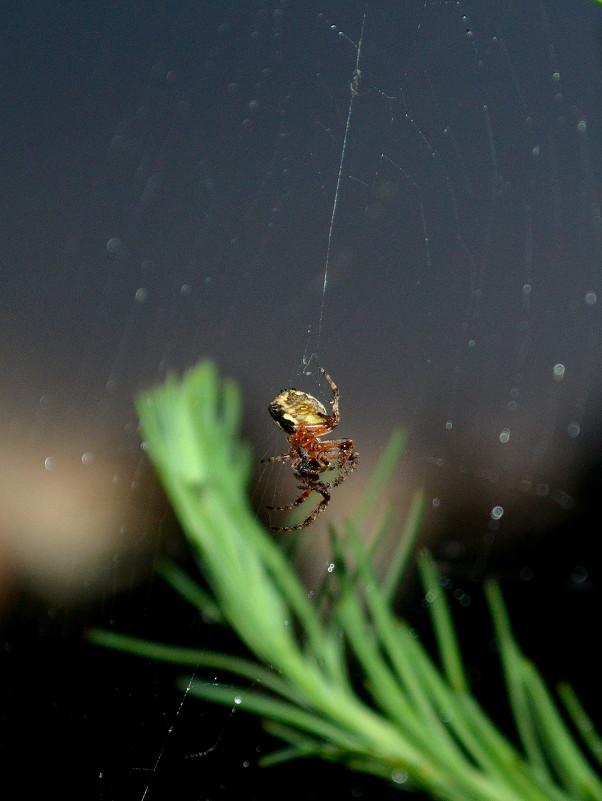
(304, 420)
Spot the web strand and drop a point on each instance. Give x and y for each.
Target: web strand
(354, 89)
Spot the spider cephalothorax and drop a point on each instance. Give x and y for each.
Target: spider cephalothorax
(304, 420)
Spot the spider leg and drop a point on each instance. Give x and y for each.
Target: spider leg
(305, 494)
(283, 458)
(347, 465)
(346, 461)
(335, 396)
(319, 508)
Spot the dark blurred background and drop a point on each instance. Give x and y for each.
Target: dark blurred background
(169, 176)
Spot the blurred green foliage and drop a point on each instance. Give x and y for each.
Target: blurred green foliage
(414, 720)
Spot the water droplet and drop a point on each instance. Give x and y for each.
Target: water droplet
(526, 573)
(563, 499)
(558, 372)
(462, 597)
(115, 246)
(579, 574)
(573, 430)
(497, 512)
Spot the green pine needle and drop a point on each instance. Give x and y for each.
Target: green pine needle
(414, 722)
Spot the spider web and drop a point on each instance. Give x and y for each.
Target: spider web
(403, 193)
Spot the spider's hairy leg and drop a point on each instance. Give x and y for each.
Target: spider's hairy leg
(346, 458)
(285, 457)
(305, 494)
(335, 396)
(319, 508)
(347, 465)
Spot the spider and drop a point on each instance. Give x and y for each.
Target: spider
(304, 420)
